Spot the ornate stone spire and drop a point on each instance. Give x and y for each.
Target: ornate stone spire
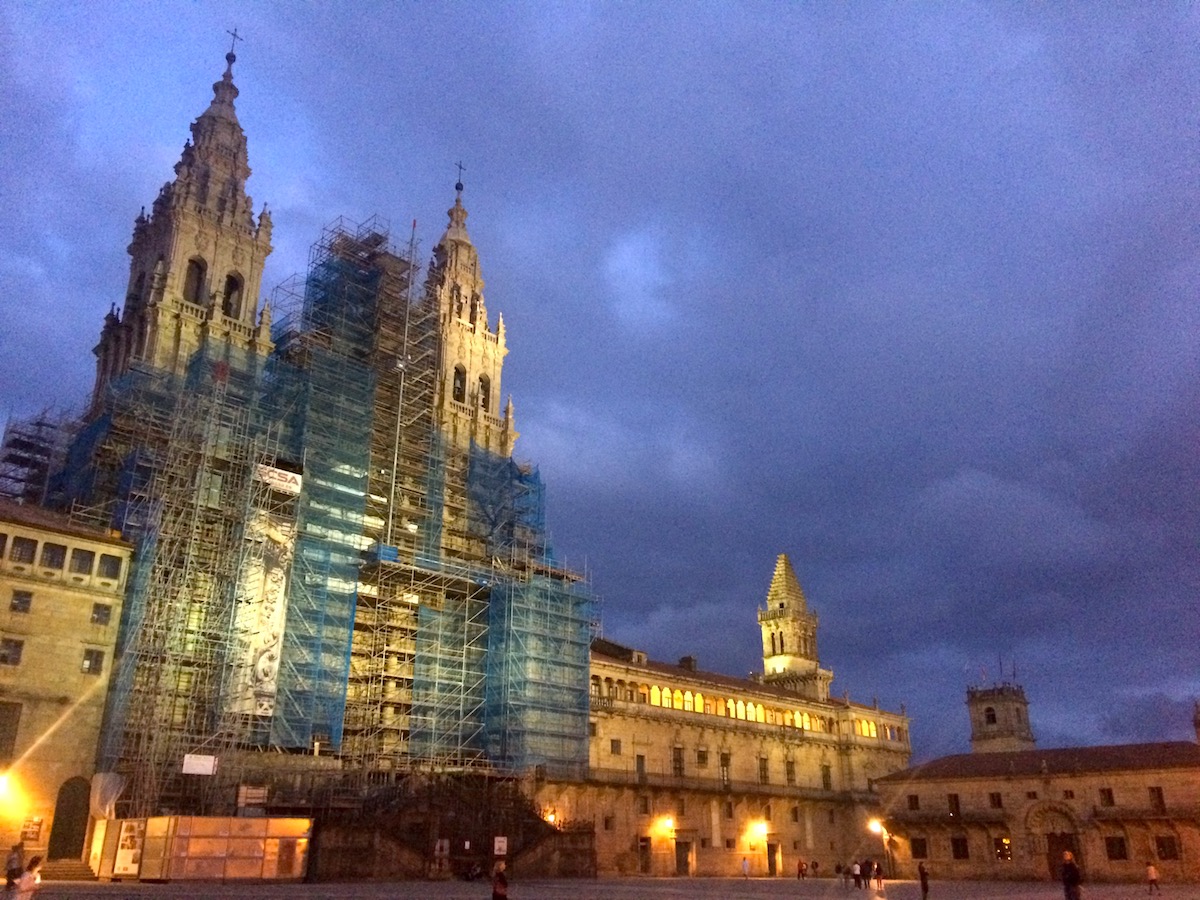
(457, 229)
(197, 258)
(785, 590)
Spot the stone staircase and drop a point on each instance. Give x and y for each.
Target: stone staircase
(67, 870)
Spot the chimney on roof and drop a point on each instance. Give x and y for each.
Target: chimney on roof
(687, 662)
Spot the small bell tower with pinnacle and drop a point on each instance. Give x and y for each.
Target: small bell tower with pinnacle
(468, 392)
(789, 637)
(196, 259)
(999, 719)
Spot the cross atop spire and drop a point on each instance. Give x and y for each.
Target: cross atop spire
(236, 37)
(458, 185)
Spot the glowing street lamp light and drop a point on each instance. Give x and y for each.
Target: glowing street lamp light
(875, 826)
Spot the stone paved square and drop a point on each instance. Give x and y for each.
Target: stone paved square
(603, 889)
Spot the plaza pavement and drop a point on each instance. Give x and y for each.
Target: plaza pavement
(603, 889)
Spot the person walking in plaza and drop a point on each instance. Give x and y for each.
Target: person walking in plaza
(14, 865)
(499, 882)
(923, 875)
(30, 880)
(856, 871)
(745, 867)
(1152, 877)
(1071, 877)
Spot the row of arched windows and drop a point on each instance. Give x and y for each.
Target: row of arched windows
(725, 707)
(805, 649)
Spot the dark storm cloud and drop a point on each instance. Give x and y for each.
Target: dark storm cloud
(907, 292)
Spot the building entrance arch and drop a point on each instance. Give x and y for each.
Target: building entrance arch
(70, 820)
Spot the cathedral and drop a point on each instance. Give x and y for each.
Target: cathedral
(341, 591)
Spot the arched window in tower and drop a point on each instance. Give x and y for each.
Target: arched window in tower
(474, 309)
(781, 650)
(485, 393)
(989, 715)
(456, 301)
(772, 643)
(460, 384)
(232, 304)
(193, 282)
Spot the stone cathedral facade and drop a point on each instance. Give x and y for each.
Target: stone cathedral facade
(341, 583)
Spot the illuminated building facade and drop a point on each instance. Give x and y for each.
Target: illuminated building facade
(61, 590)
(690, 772)
(343, 588)
(339, 560)
(1010, 813)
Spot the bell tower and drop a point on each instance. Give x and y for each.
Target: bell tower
(468, 393)
(196, 260)
(789, 637)
(999, 719)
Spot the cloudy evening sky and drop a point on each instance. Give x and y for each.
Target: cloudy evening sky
(905, 291)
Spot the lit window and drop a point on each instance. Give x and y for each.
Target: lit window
(700, 705)
(22, 601)
(1003, 848)
(93, 661)
(687, 701)
(655, 696)
(678, 699)
(82, 561)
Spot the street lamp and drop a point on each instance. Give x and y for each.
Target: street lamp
(875, 826)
